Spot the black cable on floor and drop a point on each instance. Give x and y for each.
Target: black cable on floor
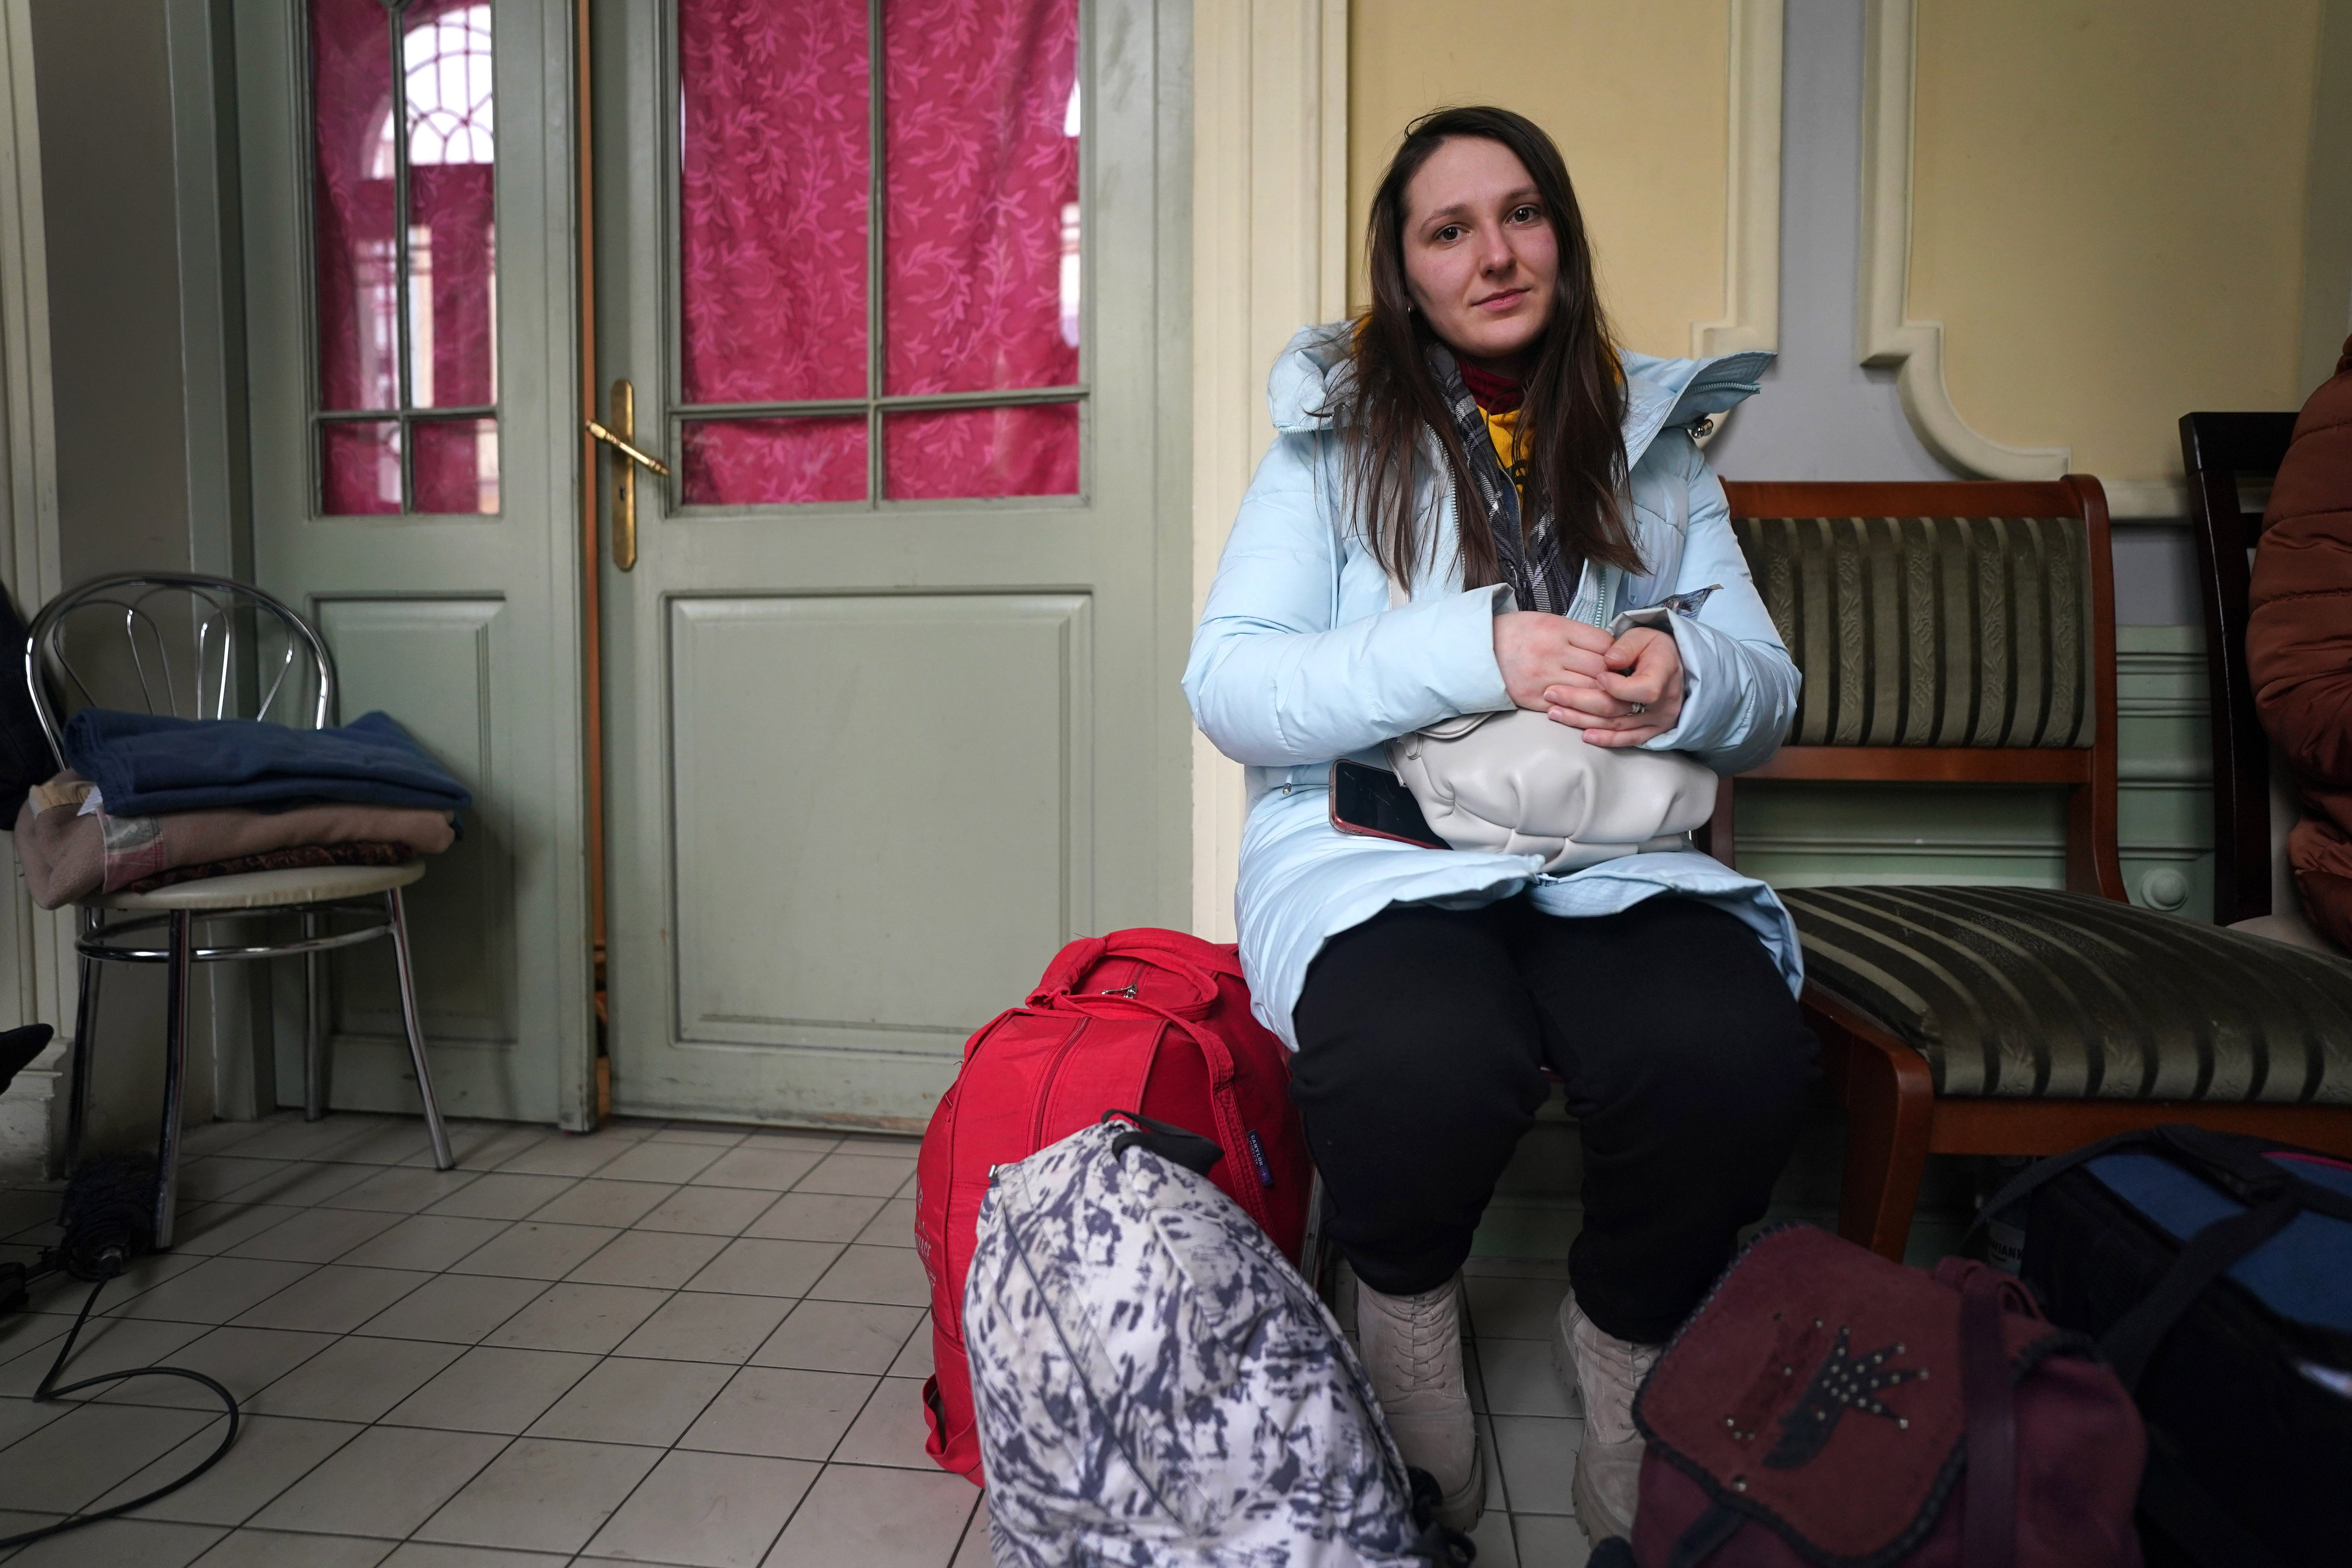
(51, 1389)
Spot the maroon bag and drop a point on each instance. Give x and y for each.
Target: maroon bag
(1825, 1405)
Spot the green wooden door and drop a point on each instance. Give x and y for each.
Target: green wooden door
(890, 689)
(411, 342)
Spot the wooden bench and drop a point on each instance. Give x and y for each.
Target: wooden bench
(1963, 634)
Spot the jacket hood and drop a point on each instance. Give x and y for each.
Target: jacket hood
(1313, 371)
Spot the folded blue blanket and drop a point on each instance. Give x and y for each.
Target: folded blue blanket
(147, 764)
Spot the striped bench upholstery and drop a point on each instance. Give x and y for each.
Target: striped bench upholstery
(2027, 993)
(1930, 631)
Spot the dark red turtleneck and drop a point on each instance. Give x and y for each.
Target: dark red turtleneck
(1494, 394)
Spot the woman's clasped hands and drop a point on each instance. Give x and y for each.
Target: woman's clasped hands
(1620, 690)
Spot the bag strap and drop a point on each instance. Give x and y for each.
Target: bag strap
(1433, 1542)
(1212, 958)
(1222, 1073)
(2248, 1174)
(2039, 1175)
(1988, 1519)
(2133, 1341)
(2274, 1196)
(1709, 1530)
(2242, 1171)
(1069, 967)
(1177, 1146)
(1075, 959)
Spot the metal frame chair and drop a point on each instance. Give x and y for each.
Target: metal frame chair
(223, 665)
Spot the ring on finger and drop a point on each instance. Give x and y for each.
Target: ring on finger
(1638, 707)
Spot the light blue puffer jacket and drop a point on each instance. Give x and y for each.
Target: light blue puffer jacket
(1298, 659)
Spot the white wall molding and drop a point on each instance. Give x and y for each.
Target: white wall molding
(2147, 499)
(1752, 197)
(1269, 255)
(1888, 335)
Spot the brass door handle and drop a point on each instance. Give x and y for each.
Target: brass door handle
(626, 462)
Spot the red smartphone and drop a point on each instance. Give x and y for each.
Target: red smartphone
(1373, 802)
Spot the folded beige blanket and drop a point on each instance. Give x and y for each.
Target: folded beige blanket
(69, 855)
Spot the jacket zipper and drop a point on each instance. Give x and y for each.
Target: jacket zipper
(1584, 575)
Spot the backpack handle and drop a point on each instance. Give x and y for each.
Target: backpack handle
(1063, 976)
(1075, 959)
(1177, 1146)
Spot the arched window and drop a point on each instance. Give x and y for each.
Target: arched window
(446, 62)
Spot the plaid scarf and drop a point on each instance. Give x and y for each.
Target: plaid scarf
(1539, 574)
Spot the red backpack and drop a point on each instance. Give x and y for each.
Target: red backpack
(1149, 1021)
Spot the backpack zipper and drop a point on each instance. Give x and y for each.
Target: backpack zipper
(1053, 1068)
(1052, 1077)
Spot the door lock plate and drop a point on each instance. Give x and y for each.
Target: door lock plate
(627, 460)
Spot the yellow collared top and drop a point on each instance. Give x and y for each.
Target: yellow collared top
(1503, 429)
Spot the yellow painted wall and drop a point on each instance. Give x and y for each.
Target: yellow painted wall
(1635, 94)
(2107, 215)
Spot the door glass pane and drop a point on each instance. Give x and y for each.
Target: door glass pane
(980, 168)
(360, 465)
(456, 465)
(1030, 451)
(352, 203)
(452, 215)
(404, 204)
(774, 179)
(747, 462)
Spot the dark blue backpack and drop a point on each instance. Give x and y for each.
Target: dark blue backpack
(2216, 1272)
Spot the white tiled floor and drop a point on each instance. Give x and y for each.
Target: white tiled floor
(658, 1344)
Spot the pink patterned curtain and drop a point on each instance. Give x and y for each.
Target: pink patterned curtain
(385, 88)
(980, 232)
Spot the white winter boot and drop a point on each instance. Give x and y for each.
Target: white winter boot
(1411, 1347)
(1605, 1371)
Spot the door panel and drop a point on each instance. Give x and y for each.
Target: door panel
(891, 695)
(977, 807)
(412, 345)
(444, 667)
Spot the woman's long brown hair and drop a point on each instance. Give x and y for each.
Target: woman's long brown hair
(1572, 419)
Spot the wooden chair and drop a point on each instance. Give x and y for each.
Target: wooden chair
(1964, 632)
(2217, 451)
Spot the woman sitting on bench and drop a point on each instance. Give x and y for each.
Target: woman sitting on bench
(1478, 440)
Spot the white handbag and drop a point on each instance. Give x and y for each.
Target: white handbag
(1518, 783)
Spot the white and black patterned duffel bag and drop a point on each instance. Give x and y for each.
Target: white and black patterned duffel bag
(1156, 1385)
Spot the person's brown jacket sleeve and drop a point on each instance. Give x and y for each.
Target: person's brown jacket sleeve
(2299, 641)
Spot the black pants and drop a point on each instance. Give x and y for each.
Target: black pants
(1423, 1035)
